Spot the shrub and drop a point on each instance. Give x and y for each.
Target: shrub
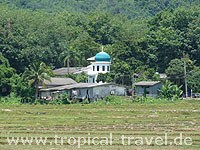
(62, 99)
(170, 91)
(11, 99)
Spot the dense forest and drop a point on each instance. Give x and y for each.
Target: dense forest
(129, 8)
(142, 36)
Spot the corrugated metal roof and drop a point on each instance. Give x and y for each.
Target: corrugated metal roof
(59, 81)
(72, 86)
(147, 83)
(64, 70)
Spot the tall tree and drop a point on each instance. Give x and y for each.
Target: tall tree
(71, 57)
(37, 73)
(193, 79)
(6, 73)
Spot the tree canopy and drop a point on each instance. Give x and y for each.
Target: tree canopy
(142, 36)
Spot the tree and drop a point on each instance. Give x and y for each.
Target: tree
(175, 70)
(71, 57)
(129, 8)
(193, 79)
(36, 74)
(6, 73)
(82, 77)
(193, 38)
(106, 77)
(147, 74)
(121, 72)
(22, 88)
(172, 33)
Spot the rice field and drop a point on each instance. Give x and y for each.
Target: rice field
(123, 126)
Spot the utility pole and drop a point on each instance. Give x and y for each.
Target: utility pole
(133, 86)
(185, 78)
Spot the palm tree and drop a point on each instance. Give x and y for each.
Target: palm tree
(36, 74)
(71, 56)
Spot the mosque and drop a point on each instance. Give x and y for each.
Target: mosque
(100, 63)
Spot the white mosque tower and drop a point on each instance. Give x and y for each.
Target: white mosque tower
(100, 63)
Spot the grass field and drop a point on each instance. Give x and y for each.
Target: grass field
(99, 120)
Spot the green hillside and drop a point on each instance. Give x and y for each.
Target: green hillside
(49, 31)
(130, 8)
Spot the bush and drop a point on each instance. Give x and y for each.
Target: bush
(170, 91)
(22, 89)
(11, 99)
(143, 99)
(62, 99)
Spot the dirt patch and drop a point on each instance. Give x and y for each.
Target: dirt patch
(6, 110)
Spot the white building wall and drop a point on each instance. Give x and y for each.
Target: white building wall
(94, 71)
(101, 64)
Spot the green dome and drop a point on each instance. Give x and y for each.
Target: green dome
(102, 56)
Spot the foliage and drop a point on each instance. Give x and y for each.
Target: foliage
(132, 9)
(22, 88)
(11, 99)
(193, 79)
(6, 74)
(4, 61)
(119, 100)
(61, 99)
(36, 74)
(147, 74)
(144, 35)
(46, 37)
(175, 70)
(142, 99)
(170, 91)
(70, 55)
(82, 77)
(121, 72)
(168, 37)
(106, 77)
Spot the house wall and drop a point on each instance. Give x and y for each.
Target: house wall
(89, 92)
(153, 90)
(83, 93)
(100, 92)
(117, 90)
(92, 76)
(45, 94)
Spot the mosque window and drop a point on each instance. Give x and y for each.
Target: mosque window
(93, 68)
(97, 68)
(103, 68)
(108, 68)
